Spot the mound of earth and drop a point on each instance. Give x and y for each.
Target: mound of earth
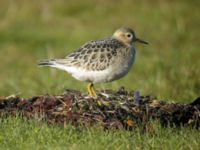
(111, 109)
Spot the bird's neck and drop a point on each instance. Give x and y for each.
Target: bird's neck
(123, 42)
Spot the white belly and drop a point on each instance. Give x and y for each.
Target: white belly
(93, 76)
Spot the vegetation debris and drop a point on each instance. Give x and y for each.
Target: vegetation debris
(111, 109)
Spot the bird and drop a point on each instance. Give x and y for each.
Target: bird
(100, 61)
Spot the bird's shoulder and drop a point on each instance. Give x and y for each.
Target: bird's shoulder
(108, 44)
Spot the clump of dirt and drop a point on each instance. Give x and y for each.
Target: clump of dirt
(112, 109)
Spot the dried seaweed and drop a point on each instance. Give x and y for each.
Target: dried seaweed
(112, 109)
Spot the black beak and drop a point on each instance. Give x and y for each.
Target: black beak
(141, 41)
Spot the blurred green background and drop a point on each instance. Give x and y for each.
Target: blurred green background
(169, 67)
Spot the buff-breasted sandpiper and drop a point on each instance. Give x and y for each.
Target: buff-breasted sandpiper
(100, 61)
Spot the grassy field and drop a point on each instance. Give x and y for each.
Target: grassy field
(168, 67)
(22, 134)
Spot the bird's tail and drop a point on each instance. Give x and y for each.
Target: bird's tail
(55, 63)
(49, 62)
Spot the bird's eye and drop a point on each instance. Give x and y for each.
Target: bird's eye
(129, 35)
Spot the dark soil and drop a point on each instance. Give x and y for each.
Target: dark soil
(112, 109)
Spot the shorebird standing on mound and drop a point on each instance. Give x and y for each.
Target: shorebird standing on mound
(100, 61)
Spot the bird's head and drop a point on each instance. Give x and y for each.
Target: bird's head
(127, 36)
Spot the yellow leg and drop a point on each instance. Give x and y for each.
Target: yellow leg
(91, 90)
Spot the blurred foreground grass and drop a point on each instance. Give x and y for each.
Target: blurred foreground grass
(35, 30)
(21, 134)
